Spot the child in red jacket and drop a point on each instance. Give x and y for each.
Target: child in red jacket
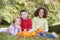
(26, 23)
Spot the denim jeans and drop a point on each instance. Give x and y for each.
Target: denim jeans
(46, 35)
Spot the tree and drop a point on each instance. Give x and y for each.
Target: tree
(9, 9)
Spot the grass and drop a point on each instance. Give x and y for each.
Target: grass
(4, 36)
(2, 26)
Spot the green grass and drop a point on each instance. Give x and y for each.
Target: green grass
(1, 26)
(4, 36)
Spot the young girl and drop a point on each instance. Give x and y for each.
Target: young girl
(13, 29)
(40, 21)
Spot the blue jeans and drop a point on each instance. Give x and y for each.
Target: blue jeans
(46, 35)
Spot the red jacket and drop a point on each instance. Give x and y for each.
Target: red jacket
(26, 24)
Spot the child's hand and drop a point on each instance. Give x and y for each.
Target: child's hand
(40, 30)
(25, 30)
(43, 31)
(19, 27)
(30, 30)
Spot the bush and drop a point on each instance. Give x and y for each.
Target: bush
(54, 28)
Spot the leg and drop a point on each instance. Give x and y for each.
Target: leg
(44, 34)
(52, 35)
(41, 34)
(3, 29)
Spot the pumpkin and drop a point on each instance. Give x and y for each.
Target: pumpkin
(19, 34)
(33, 33)
(26, 34)
(40, 30)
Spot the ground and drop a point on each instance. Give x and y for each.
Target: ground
(4, 36)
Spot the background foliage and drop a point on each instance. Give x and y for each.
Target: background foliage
(9, 9)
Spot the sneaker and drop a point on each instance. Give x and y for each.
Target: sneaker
(55, 35)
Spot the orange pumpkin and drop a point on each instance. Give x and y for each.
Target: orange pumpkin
(33, 33)
(26, 34)
(40, 30)
(19, 34)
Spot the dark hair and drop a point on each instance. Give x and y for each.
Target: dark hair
(13, 21)
(22, 11)
(36, 13)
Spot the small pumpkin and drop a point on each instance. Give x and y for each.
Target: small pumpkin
(40, 30)
(19, 34)
(26, 34)
(33, 33)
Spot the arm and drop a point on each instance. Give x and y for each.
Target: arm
(12, 30)
(46, 26)
(29, 25)
(33, 25)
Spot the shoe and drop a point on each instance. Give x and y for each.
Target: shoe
(55, 35)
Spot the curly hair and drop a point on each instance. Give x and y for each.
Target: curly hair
(36, 13)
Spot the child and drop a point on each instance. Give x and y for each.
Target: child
(14, 28)
(40, 21)
(26, 23)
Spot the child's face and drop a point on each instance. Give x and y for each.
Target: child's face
(17, 22)
(41, 13)
(24, 15)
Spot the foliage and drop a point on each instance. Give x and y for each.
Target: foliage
(9, 9)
